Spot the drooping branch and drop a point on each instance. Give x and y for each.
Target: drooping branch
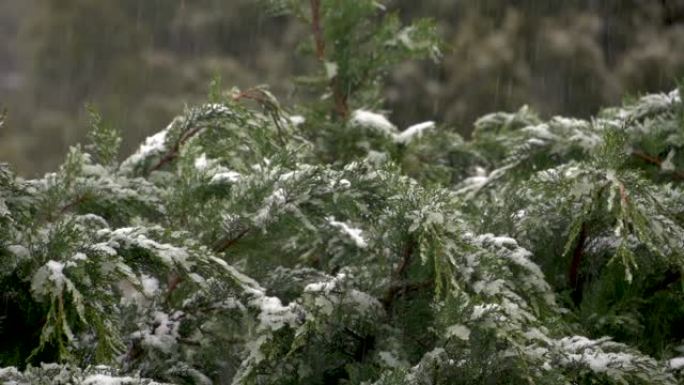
(172, 154)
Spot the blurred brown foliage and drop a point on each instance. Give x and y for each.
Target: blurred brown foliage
(139, 62)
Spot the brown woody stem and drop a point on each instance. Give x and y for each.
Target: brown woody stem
(655, 161)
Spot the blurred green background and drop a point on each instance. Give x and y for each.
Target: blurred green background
(140, 61)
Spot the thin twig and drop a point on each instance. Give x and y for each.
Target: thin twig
(656, 161)
(316, 29)
(225, 243)
(173, 152)
(577, 254)
(339, 97)
(72, 204)
(398, 289)
(397, 286)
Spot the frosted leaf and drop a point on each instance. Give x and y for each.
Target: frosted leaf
(353, 233)
(246, 282)
(225, 177)
(676, 363)
(389, 359)
(217, 173)
(489, 287)
(297, 120)
(149, 287)
(540, 131)
(153, 145)
(472, 185)
(374, 121)
(271, 202)
(164, 335)
(4, 211)
(667, 164)
(404, 37)
(330, 69)
(324, 286)
(343, 183)
(51, 271)
(92, 219)
(11, 376)
(103, 248)
(481, 310)
(434, 218)
(604, 356)
(168, 254)
(414, 131)
(376, 158)
(19, 251)
(104, 379)
(201, 162)
(364, 302)
(273, 315)
(459, 331)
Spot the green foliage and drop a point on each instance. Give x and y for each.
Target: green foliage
(239, 245)
(356, 43)
(105, 140)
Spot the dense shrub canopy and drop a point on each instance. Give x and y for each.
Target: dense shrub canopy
(247, 244)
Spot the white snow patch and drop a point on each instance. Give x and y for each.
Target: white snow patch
(19, 251)
(271, 202)
(415, 131)
(225, 177)
(667, 164)
(373, 120)
(354, 233)
(460, 331)
(103, 379)
(273, 314)
(324, 286)
(51, 271)
(330, 69)
(472, 185)
(540, 131)
(481, 310)
(676, 363)
(297, 120)
(165, 332)
(104, 248)
(201, 162)
(389, 359)
(150, 285)
(141, 295)
(153, 145)
(404, 36)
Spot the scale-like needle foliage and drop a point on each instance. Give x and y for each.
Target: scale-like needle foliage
(244, 244)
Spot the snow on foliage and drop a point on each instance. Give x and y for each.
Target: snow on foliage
(152, 146)
(412, 132)
(353, 233)
(374, 121)
(248, 246)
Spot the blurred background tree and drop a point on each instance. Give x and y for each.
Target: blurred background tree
(140, 61)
